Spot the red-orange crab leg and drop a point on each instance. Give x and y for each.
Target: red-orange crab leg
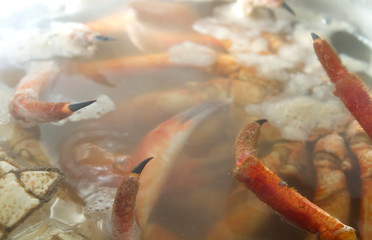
(164, 143)
(26, 106)
(272, 190)
(361, 146)
(246, 213)
(123, 218)
(331, 192)
(155, 25)
(348, 87)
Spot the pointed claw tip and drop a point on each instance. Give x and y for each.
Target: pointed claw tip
(138, 169)
(102, 38)
(261, 121)
(288, 8)
(314, 36)
(76, 106)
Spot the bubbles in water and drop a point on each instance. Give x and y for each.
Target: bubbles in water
(98, 207)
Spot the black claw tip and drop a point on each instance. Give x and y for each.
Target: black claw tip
(261, 121)
(314, 36)
(288, 8)
(138, 169)
(76, 106)
(101, 38)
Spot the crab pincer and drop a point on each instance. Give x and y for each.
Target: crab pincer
(123, 212)
(288, 202)
(348, 87)
(26, 106)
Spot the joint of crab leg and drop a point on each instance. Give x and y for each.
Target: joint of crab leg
(285, 200)
(123, 219)
(348, 87)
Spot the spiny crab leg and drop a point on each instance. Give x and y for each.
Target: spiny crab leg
(272, 190)
(123, 215)
(34, 53)
(25, 104)
(361, 146)
(348, 87)
(330, 163)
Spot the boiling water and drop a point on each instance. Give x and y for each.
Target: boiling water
(197, 191)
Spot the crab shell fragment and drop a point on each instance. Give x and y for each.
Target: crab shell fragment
(22, 191)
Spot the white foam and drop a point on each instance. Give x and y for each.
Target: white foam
(192, 54)
(296, 117)
(5, 96)
(59, 39)
(306, 102)
(98, 207)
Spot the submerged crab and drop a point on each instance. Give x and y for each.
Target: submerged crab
(194, 148)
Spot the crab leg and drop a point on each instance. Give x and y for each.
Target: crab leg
(272, 190)
(224, 65)
(360, 144)
(248, 215)
(123, 217)
(164, 142)
(348, 87)
(26, 106)
(34, 53)
(155, 25)
(331, 192)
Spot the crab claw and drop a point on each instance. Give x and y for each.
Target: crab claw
(26, 106)
(123, 218)
(164, 143)
(348, 87)
(270, 189)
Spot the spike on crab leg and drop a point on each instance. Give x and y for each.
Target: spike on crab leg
(348, 87)
(123, 218)
(26, 106)
(285, 200)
